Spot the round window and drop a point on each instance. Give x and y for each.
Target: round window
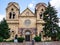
(27, 22)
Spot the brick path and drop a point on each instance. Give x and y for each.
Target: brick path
(30, 43)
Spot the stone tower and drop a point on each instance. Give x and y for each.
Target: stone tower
(12, 13)
(39, 10)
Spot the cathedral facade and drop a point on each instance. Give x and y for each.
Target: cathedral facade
(27, 23)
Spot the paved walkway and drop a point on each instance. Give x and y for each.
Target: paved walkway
(30, 43)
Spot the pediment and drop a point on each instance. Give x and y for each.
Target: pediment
(12, 5)
(27, 12)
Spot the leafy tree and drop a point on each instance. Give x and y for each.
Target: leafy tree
(51, 20)
(58, 34)
(4, 29)
(1, 39)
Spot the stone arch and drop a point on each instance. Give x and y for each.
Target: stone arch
(27, 32)
(27, 35)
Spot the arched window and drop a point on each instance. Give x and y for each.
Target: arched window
(42, 9)
(10, 15)
(40, 16)
(27, 32)
(13, 15)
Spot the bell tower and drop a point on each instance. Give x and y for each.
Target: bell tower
(39, 9)
(12, 11)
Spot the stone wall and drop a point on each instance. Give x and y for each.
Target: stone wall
(30, 43)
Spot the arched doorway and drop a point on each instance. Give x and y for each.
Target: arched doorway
(27, 36)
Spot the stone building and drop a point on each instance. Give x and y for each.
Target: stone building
(27, 23)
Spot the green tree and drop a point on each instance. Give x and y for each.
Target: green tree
(51, 20)
(4, 29)
(58, 35)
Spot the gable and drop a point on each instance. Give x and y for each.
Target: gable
(27, 12)
(13, 6)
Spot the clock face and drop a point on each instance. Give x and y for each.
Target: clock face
(27, 22)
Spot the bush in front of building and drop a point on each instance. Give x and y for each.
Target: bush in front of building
(2, 40)
(10, 40)
(37, 38)
(20, 39)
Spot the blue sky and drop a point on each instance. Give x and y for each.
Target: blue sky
(22, 3)
(27, 3)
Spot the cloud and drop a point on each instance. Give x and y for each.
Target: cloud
(2, 16)
(31, 5)
(56, 4)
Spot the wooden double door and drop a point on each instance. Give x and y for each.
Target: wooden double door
(27, 37)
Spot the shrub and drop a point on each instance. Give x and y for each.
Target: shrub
(10, 40)
(20, 39)
(37, 38)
